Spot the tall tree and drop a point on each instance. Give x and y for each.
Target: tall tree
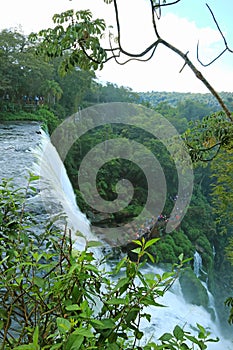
(52, 90)
(21, 71)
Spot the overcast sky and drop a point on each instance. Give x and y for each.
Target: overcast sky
(182, 24)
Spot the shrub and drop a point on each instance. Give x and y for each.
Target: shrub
(54, 297)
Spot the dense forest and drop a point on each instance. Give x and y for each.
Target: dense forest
(32, 89)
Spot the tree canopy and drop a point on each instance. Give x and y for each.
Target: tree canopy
(78, 38)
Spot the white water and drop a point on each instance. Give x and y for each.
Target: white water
(197, 264)
(57, 193)
(179, 312)
(58, 198)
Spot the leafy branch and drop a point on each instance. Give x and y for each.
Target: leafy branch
(78, 37)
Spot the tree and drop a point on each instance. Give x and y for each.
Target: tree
(77, 34)
(21, 71)
(52, 89)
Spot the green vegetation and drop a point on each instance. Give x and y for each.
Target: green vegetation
(54, 297)
(193, 290)
(190, 105)
(207, 224)
(29, 83)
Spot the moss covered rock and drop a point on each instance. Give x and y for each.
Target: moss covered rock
(193, 290)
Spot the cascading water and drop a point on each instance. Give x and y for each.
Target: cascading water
(17, 142)
(181, 313)
(57, 193)
(25, 148)
(197, 265)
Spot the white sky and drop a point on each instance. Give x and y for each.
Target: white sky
(182, 29)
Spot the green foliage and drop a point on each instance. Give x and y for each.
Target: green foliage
(25, 75)
(21, 70)
(193, 290)
(229, 303)
(207, 102)
(42, 114)
(222, 188)
(54, 297)
(78, 36)
(111, 172)
(182, 340)
(171, 246)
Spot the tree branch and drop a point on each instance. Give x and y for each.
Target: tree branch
(199, 75)
(187, 61)
(224, 40)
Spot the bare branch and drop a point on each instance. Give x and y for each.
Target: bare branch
(99, 56)
(224, 40)
(215, 21)
(135, 59)
(187, 61)
(166, 4)
(215, 59)
(199, 75)
(184, 63)
(153, 18)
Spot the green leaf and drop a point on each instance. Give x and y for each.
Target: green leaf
(202, 332)
(137, 242)
(150, 257)
(117, 301)
(36, 336)
(103, 324)
(151, 242)
(132, 314)
(74, 342)
(26, 347)
(34, 177)
(40, 282)
(167, 275)
(138, 334)
(216, 340)
(136, 250)
(193, 339)
(166, 337)
(123, 282)
(180, 257)
(92, 244)
(113, 346)
(178, 333)
(56, 346)
(149, 300)
(63, 325)
(119, 266)
(84, 332)
(73, 307)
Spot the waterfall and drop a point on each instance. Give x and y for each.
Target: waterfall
(179, 312)
(25, 148)
(214, 251)
(57, 194)
(24, 144)
(197, 264)
(197, 269)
